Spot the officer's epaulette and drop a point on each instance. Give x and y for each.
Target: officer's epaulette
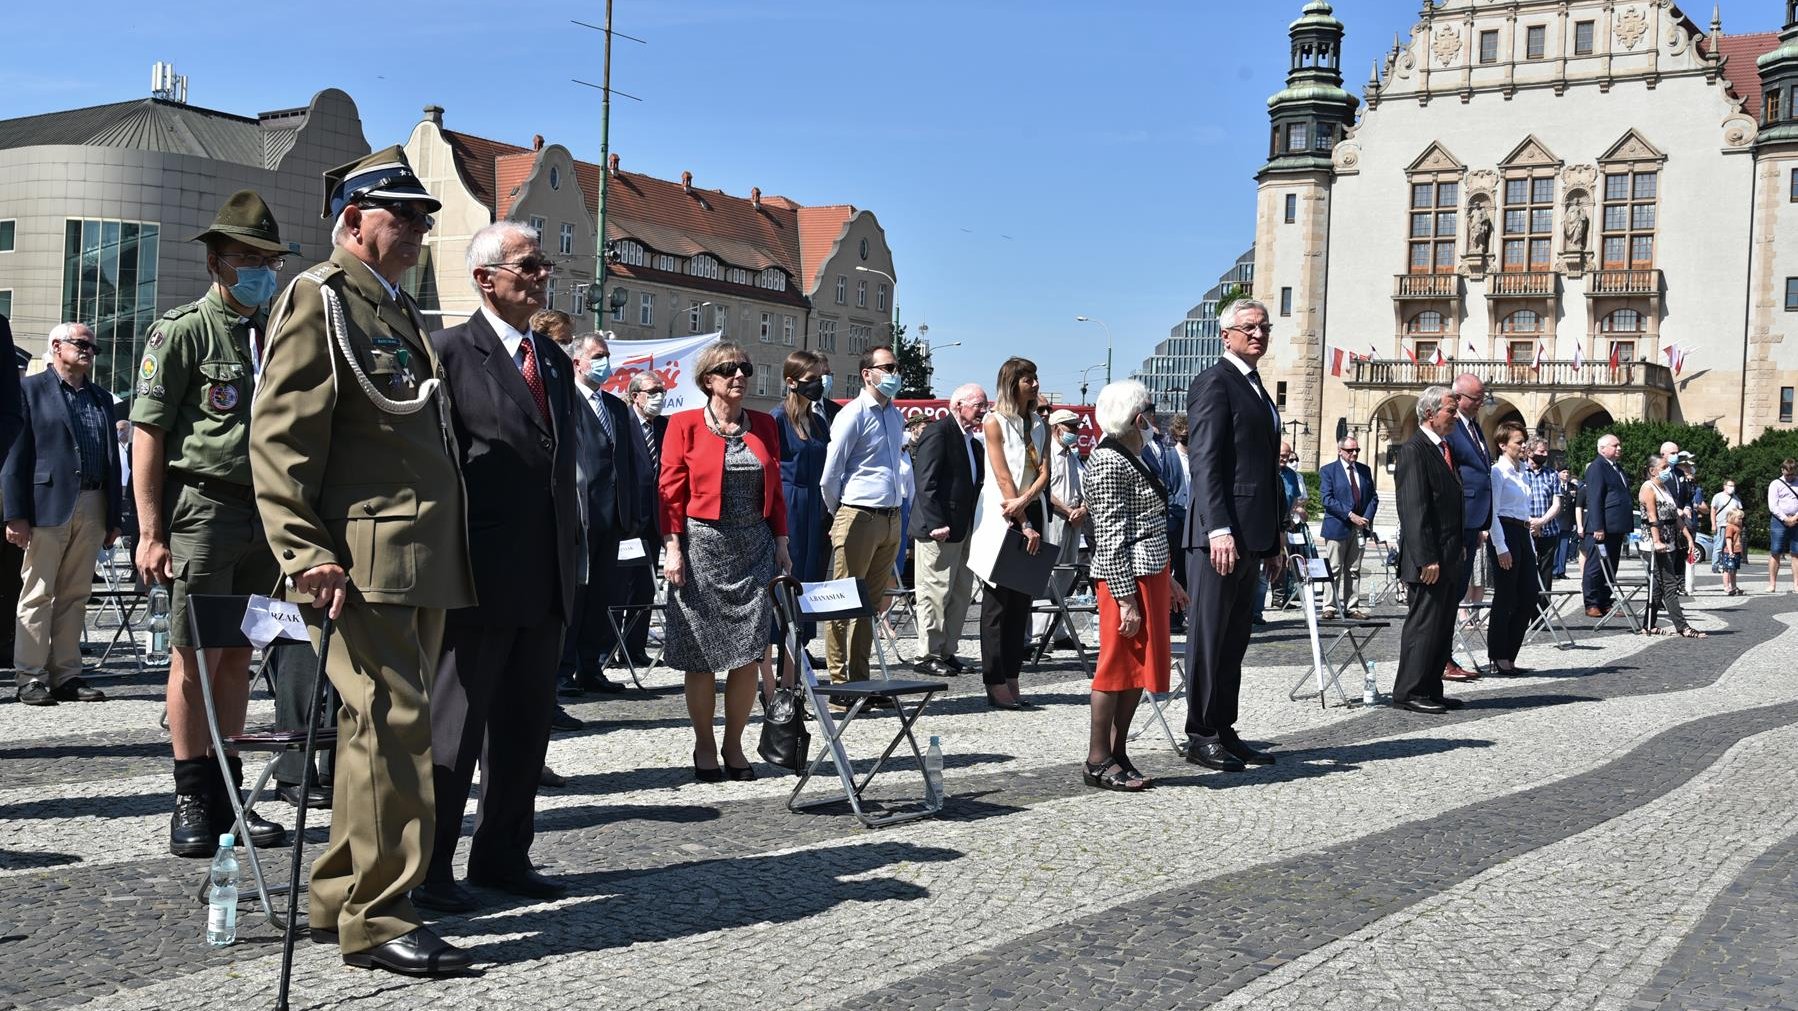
(182, 310)
(320, 273)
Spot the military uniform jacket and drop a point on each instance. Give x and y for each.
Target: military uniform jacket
(338, 477)
(195, 383)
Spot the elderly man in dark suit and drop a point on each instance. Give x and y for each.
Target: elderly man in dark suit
(1610, 514)
(1473, 464)
(1431, 522)
(1234, 524)
(512, 395)
(636, 586)
(62, 499)
(947, 466)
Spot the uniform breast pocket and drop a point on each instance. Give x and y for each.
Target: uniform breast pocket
(224, 386)
(375, 523)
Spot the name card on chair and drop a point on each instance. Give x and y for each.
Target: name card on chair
(1296, 538)
(267, 619)
(835, 598)
(1317, 568)
(631, 550)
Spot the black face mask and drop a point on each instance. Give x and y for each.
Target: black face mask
(1539, 460)
(811, 389)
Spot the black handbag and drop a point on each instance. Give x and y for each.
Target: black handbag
(785, 740)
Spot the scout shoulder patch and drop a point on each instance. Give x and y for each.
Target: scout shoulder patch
(157, 339)
(221, 396)
(143, 389)
(149, 367)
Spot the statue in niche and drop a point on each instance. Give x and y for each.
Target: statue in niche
(1479, 229)
(1577, 225)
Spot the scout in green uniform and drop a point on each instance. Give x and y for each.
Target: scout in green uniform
(358, 487)
(198, 528)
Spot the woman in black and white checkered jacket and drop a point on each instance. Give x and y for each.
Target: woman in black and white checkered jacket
(1130, 570)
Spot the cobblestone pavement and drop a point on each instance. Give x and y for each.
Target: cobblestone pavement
(1615, 831)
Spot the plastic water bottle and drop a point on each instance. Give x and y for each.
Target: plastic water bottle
(933, 768)
(158, 652)
(221, 898)
(1370, 688)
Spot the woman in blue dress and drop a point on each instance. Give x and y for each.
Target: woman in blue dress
(804, 438)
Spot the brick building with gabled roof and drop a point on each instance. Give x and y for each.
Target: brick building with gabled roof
(770, 273)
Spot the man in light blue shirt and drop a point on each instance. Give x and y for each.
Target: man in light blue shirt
(862, 490)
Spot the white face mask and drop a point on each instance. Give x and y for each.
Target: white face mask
(652, 404)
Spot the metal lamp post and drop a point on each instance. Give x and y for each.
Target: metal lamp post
(675, 314)
(1089, 319)
(1086, 372)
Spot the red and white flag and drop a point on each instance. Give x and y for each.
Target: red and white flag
(1679, 359)
(1671, 351)
(1507, 352)
(1336, 361)
(1616, 355)
(1411, 353)
(1579, 356)
(1536, 362)
(1373, 351)
(1438, 359)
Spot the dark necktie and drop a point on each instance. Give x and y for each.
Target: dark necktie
(532, 379)
(655, 454)
(605, 417)
(1255, 380)
(1473, 432)
(1354, 488)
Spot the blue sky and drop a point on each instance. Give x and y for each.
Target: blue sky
(1030, 161)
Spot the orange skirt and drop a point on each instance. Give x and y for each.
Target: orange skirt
(1140, 662)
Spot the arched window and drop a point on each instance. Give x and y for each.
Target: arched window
(1427, 321)
(1523, 321)
(1623, 328)
(1622, 321)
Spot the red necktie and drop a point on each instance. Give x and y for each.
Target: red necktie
(1354, 488)
(1446, 458)
(533, 379)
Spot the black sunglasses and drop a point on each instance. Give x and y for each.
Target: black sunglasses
(528, 265)
(87, 346)
(727, 369)
(406, 212)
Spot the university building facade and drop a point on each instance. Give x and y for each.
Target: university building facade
(1592, 204)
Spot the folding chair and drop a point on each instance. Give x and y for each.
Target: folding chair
(216, 622)
(1355, 634)
(1548, 616)
(1158, 703)
(121, 597)
(1389, 583)
(901, 604)
(907, 698)
(1624, 592)
(1063, 606)
(1471, 631)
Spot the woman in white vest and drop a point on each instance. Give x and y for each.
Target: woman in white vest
(1013, 496)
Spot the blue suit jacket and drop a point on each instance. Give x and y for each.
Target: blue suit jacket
(1607, 500)
(1474, 462)
(42, 476)
(1339, 501)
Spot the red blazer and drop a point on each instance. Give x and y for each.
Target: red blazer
(692, 481)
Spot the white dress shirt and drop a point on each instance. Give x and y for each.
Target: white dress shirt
(510, 339)
(1510, 500)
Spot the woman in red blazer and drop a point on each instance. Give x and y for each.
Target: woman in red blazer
(724, 536)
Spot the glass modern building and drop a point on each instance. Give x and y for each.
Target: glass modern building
(1193, 344)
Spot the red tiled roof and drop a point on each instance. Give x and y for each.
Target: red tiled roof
(819, 228)
(1739, 53)
(668, 218)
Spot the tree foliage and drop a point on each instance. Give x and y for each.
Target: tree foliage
(914, 366)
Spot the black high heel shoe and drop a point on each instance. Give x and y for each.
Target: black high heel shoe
(745, 774)
(706, 775)
(993, 703)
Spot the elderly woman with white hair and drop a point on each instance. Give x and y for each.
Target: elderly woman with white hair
(1128, 506)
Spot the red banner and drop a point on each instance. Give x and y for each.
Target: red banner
(934, 409)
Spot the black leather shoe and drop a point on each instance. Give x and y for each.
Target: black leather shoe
(604, 686)
(1428, 706)
(561, 719)
(319, 799)
(1213, 755)
(262, 831)
(551, 778)
(417, 953)
(444, 897)
(77, 690)
(954, 664)
(932, 667)
(570, 690)
(190, 829)
(526, 882)
(1244, 753)
(1448, 703)
(36, 693)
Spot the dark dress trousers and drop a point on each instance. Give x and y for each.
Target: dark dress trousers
(1431, 517)
(611, 460)
(637, 583)
(948, 484)
(1233, 448)
(1606, 500)
(495, 685)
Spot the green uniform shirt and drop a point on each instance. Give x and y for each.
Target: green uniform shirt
(195, 384)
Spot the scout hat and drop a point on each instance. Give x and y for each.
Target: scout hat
(244, 217)
(383, 175)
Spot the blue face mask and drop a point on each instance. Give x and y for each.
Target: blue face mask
(599, 369)
(1069, 439)
(1666, 473)
(828, 380)
(255, 285)
(888, 385)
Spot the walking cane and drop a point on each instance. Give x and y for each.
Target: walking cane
(299, 829)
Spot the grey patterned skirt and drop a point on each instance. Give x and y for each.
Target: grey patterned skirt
(720, 619)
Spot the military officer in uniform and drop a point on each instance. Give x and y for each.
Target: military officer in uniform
(197, 522)
(356, 480)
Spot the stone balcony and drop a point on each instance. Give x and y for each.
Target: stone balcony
(1402, 373)
(1623, 282)
(1521, 283)
(1414, 286)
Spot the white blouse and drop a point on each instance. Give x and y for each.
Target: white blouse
(1510, 500)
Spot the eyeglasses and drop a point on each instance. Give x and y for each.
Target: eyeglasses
(528, 265)
(885, 367)
(1264, 329)
(1351, 451)
(405, 212)
(253, 260)
(726, 370)
(86, 347)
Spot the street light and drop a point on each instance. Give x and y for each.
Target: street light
(1087, 371)
(1089, 319)
(891, 332)
(672, 316)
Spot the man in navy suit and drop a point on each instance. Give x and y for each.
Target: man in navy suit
(1233, 528)
(1350, 502)
(494, 691)
(1473, 463)
(1430, 522)
(1610, 515)
(63, 503)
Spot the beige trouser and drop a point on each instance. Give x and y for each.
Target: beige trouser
(382, 814)
(1345, 565)
(864, 543)
(58, 578)
(944, 588)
